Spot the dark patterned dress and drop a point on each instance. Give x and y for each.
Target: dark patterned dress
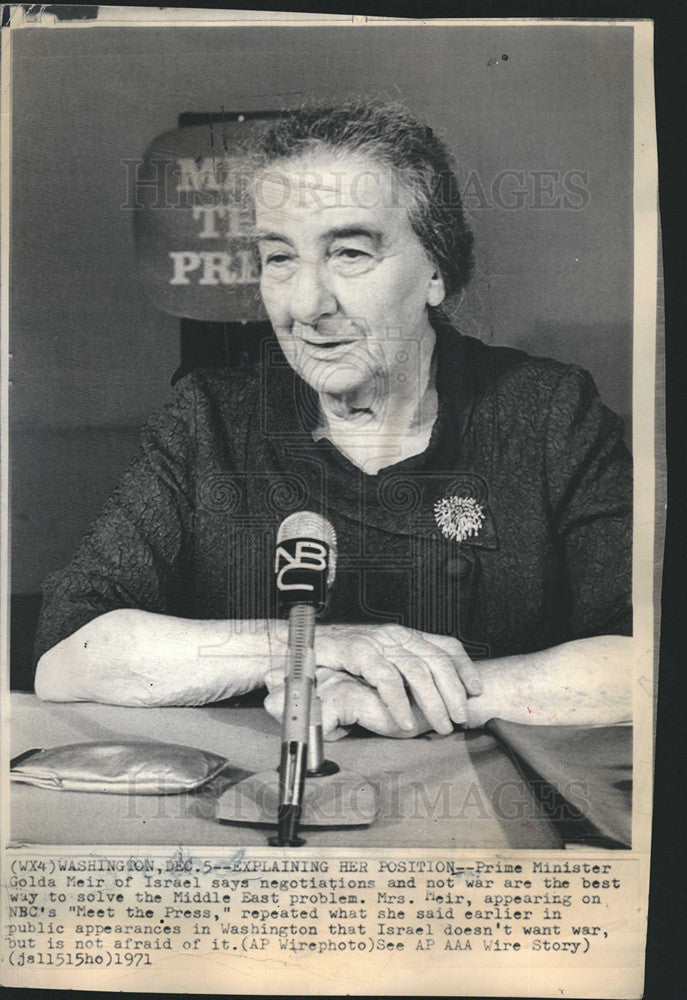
(523, 444)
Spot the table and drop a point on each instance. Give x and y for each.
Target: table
(457, 791)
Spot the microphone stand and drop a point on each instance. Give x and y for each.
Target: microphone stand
(298, 694)
(305, 562)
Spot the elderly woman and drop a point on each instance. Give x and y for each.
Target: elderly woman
(481, 497)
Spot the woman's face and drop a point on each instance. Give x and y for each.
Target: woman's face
(345, 280)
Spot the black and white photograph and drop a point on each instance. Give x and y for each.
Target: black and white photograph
(330, 409)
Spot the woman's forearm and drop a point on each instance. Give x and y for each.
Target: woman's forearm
(586, 682)
(129, 657)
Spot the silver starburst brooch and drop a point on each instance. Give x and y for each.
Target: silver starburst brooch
(459, 517)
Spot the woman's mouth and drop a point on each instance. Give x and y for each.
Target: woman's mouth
(327, 349)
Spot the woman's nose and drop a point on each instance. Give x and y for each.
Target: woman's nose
(311, 294)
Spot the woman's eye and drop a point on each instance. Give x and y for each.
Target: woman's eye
(351, 253)
(276, 258)
(351, 260)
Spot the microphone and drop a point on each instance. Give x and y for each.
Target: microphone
(305, 564)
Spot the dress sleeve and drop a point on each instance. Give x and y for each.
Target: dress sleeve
(134, 553)
(589, 475)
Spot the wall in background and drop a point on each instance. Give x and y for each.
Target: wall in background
(91, 358)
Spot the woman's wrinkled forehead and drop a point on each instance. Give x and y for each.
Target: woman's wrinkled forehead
(325, 182)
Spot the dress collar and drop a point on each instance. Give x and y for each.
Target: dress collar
(443, 471)
(292, 410)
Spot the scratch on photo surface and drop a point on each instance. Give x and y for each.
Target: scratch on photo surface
(63, 12)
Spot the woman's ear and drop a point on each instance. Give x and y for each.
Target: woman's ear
(436, 291)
